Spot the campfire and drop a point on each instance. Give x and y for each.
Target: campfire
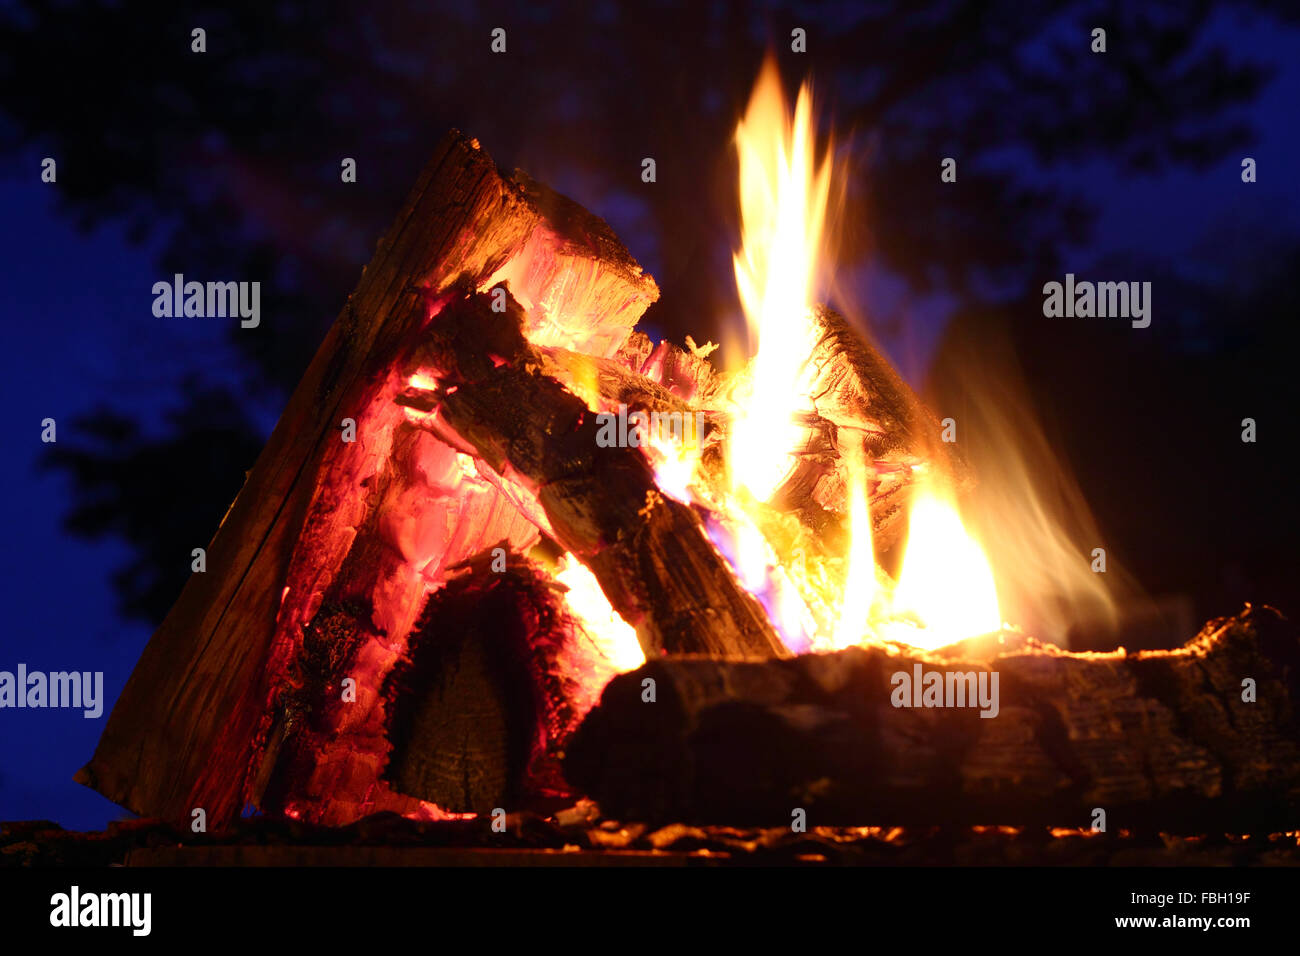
(503, 550)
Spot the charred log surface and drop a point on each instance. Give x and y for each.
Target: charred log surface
(605, 384)
(306, 706)
(190, 726)
(650, 553)
(496, 676)
(1158, 739)
(461, 705)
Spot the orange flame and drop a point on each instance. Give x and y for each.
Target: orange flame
(674, 452)
(783, 199)
(946, 589)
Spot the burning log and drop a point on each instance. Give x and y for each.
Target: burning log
(319, 571)
(496, 676)
(1156, 738)
(424, 514)
(853, 386)
(190, 728)
(605, 384)
(859, 399)
(649, 552)
(684, 373)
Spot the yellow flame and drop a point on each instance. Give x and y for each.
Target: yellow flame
(1027, 507)
(762, 573)
(783, 198)
(860, 581)
(946, 590)
(614, 636)
(675, 446)
(945, 585)
(675, 471)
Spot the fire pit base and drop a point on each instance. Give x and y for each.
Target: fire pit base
(574, 838)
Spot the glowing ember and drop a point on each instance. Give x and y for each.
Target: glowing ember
(615, 638)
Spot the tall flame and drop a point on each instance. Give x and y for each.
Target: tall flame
(945, 591)
(783, 198)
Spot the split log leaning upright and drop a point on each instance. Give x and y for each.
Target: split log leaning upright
(189, 729)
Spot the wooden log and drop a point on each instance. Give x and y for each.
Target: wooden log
(684, 372)
(604, 384)
(579, 285)
(189, 725)
(860, 400)
(650, 553)
(853, 386)
(1158, 739)
(426, 514)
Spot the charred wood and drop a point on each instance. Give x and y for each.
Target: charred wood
(1157, 739)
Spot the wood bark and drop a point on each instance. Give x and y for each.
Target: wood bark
(189, 725)
(1161, 739)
